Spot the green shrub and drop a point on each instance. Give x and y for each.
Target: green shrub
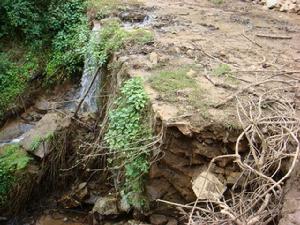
(11, 161)
(13, 78)
(127, 137)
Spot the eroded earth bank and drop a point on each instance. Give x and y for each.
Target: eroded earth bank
(193, 119)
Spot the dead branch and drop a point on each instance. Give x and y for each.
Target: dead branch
(249, 39)
(272, 136)
(273, 36)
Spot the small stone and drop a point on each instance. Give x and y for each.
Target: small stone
(2, 218)
(271, 3)
(153, 58)
(190, 53)
(157, 219)
(123, 205)
(208, 186)
(172, 221)
(106, 206)
(65, 219)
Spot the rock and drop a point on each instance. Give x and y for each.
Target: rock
(180, 182)
(136, 222)
(205, 150)
(123, 205)
(153, 58)
(271, 3)
(43, 106)
(191, 73)
(157, 219)
(172, 221)
(106, 206)
(233, 177)
(132, 16)
(185, 128)
(36, 140)
(208, 186)
(157, 188)
(3, 218)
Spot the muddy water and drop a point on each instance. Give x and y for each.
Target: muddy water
(59, 220)
(13, 132)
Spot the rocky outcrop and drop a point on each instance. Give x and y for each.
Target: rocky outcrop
(181, 174)
(37, 140)
(292, 6)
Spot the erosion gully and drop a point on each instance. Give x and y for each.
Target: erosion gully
(15, 129)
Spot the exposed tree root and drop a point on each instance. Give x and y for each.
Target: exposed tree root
(271, 128)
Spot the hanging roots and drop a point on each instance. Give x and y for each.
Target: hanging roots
(271, 128)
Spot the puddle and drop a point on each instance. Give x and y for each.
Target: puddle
(51, 220)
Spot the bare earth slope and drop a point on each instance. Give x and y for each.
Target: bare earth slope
(222, 48)
(205, 55)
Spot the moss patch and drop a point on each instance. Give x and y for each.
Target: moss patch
(11, 161)
(174, 84)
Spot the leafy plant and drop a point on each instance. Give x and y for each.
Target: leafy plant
(13, 78)
(37, 141)
(12, 160)
(127, 137)
(222, 70)
(111, 38)
(54, 34)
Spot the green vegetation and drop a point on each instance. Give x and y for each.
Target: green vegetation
(222, 70)
(170, 83)
(142, 36)
(44, 36)
(104, 8)
(113, 37)
(217, 2)
(176, 86)
(127, 138)
(13, 77)
(39, 140)
(11, 161)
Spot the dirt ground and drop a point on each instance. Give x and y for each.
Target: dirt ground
(253, 43)
(217, 52)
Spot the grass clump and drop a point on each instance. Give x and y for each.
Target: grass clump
(142, 36)
(37, 141)
(11, 161)
(112, 38)
(224, 71)
(103, 8)
(217, 2)
(127, 138)
(177, 85)
(169, 82)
